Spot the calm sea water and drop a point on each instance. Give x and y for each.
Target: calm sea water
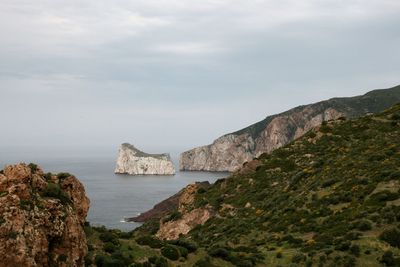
(113, 197)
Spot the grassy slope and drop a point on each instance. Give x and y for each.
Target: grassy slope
(374, 101)
(322, 200)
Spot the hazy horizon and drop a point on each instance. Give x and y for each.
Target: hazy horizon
(172, 75)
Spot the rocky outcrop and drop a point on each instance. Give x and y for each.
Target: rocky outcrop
(135, 162)
(231, 151)
(171, 230)
(41, 218)
(179, 201)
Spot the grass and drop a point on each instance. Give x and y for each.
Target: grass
(322, 196)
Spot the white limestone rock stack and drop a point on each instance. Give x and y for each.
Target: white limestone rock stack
(135, 162)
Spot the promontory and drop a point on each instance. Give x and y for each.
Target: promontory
(135, 162)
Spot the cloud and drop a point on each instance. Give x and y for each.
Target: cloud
(187, 48)
(191, 70)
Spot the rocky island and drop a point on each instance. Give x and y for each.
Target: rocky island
(135, 162)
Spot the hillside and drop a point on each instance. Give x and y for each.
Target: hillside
(229, 152)
(330, 198)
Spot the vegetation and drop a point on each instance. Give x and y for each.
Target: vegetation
(54, 190)
(330, 198)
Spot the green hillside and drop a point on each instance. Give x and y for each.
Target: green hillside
(372, 102)
(330, 198)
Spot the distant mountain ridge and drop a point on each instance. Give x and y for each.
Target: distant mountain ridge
(230, 151)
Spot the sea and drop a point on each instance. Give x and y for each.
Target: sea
(113, 197)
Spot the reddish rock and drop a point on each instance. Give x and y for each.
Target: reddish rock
(36, 230)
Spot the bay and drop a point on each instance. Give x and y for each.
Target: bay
(113, 196)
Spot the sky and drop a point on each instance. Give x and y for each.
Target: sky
(173, 74)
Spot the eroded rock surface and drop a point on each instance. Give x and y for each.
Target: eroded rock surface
(41, 218)
(231, 151)
(135, 162)
(180, 201)
(171, 230)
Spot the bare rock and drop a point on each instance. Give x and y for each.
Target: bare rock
(38, 226)
(135, 162)
(171, 230)
(231, 151)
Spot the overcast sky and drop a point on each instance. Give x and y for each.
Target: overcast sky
(174, 74)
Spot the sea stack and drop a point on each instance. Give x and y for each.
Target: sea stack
(135, 162)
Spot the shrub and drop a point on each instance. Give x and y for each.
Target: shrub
(63, 175)
(342, 245)
(364, 225)
(388, 259)
(158, 261)
(109, 237)
(298, 257)
(48, 176)
(53, 190)
(391, 236)
(109, 247)
(219, 252)
(170, 252)
(33, 167)
(183, 251)
(201, 190)
(174, 216)
(100, 260)
(355, 250)
(62, 258)
(204, 262)
(329, 182)
(150, 241)
(190, 245)
(279, 255)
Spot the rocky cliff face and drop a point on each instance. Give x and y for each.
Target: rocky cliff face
(41, 218)
(229, 152)
(171, 229)
(176, 202)
(135, 162)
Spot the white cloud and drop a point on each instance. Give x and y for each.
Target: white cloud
(188, 48)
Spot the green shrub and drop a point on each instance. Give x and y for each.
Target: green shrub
(63, 175)
(170, 252)
(204, 262)
(48, 176)
(298, 257)
(190, 245)
(183, 251)
(53, 190)
(109, 247)
(363, 225)
(100, 260)
(158, 261)
(218, 252)
(62, 258)
(150, 241)
(388, 259)
(355, 250)
(391, 236)
(109, 237)
(329, 182)
(174, 216)
(33, 167)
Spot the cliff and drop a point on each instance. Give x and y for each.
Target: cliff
(229, 152)
(175, 202)
(41, 218)
(135, 162)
